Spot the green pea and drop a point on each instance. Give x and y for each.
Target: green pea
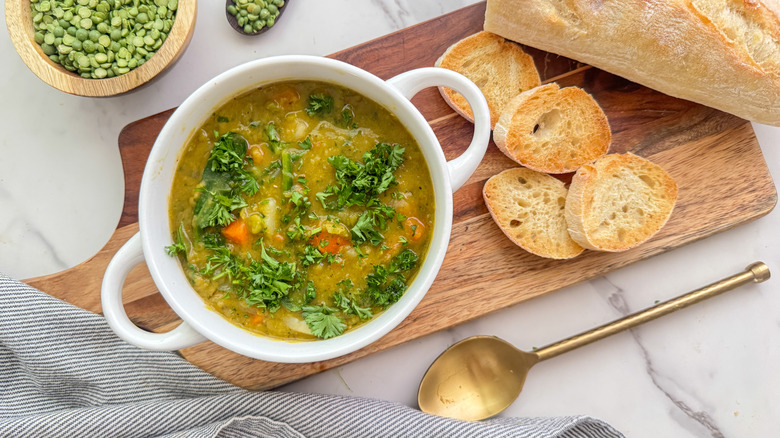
(84, 12)
(121, 62)
(272, 9)
(63, 49)
(142, 18)
(173, 4)
(67, 16)
(68, 40)
(248, 28)
(232, 10)
(71, 31)
(115, 46)
(101, 57)
(82, 35)
(38, 17)
(132, 63)
(77, 45)
(123, 70)
(279, 3)
(94, 35)
(88, 46)
(48, 38)
(264, 13)
(83, 61)
(48, 49)
(270, 22)
(116, 21)
(85, 23)
(44, 6)
(104, 40)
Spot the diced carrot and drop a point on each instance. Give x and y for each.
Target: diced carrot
(279, 238)
(237, 232)
(255, 319)
(287, 97)
(329, 242)
(415, 228)
(256, 153)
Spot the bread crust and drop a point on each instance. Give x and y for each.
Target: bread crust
(528, 208)
(553, 130)
(618, 202)
(500, 68)
(721, 53)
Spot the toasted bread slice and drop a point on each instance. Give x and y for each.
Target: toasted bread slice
(618, 202)
(553, 129)
(500, 68)
(528, 206)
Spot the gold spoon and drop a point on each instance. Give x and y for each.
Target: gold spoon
(481, 376)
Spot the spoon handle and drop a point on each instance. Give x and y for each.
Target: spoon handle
(756, 272)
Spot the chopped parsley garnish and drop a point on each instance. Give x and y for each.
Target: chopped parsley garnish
(387, 285)
(322, 322)
(319, 105)
(361, 184)
(265, 282)
(178, 247)
(306, 144)
(224, 180)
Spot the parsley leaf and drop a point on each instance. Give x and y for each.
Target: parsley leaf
(178, 247)
(265, 282)
(319, 104)
(387, 285)
(306, 144)
(350, 307)
(224, 179)
(322, 322)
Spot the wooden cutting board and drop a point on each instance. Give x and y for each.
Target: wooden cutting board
(714, 157)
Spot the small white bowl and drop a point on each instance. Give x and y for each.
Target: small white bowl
(200, 323)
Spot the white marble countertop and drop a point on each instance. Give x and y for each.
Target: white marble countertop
(710, 370)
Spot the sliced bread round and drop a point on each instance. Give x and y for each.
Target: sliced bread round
(500, 68)
(618, 202)
(528, 206)
(552, 129)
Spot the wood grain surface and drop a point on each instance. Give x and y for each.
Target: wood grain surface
(714, 157)
(20, 27)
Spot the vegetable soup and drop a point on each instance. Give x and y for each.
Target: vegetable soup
(301, 209)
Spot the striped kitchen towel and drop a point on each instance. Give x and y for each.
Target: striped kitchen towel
(63, 373)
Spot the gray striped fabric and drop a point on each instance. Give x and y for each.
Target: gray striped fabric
(63, 373)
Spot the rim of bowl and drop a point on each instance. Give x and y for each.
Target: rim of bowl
(167, 271)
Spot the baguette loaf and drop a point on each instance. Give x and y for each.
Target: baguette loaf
(500, 68)
(528, 206)
(553, 130)
(720, 53)
(618, 202)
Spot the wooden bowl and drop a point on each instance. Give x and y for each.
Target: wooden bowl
(18, 18)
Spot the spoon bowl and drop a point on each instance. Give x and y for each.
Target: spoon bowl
(233, 20)
(481, 376)
(475, 378)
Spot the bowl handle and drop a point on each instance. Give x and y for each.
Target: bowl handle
(411, 82)
(130, 255)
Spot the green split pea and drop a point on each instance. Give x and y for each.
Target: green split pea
(253, 15)
(101, 38)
